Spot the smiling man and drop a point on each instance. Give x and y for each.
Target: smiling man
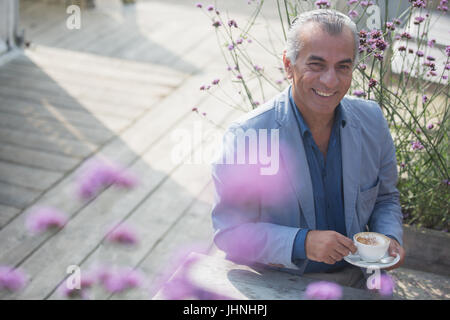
(337, 174)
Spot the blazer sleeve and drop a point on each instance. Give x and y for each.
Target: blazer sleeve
(387, 217)
(236, 213)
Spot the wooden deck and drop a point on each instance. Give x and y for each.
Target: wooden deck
(117, 88)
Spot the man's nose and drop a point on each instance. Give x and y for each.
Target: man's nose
(329, 78)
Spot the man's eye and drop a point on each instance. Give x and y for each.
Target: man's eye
(344, 67)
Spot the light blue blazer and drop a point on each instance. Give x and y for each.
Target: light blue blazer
(260, 215)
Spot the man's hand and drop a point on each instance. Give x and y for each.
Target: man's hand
(394, 249)
(327, 246)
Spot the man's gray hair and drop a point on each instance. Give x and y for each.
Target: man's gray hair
(330, 20)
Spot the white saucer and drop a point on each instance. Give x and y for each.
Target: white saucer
(356, 261)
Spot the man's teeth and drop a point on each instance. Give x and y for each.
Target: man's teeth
(323, 94)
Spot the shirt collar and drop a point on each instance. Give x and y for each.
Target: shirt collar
(339, 116)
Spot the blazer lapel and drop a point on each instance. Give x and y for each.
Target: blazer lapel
(351, 165)
(292, 153)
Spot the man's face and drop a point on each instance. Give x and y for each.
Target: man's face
(322, 73)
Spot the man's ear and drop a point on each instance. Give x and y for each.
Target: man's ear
(287, 66)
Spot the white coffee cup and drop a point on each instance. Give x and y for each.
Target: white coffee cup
(372, 246)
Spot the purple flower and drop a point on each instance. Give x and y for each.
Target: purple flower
(447, 51)
(215, 81)
(239, 76)
(97, 175)
(11, 279)
(390, 25)
(216, 24)
(45, 218)
(359, 93)
(117, 281)
(416, 145)
(195, 109)
(230, 47)
(239, 41)
(402, 165)
(362, 66)
(366, 3)
(122, 234)
(430, 126)
(257, 68)
(86, 282)
(402, 48)
(321, 3)
(323, 290)
(406, 35)
(447, 66)
(353, 13)
(418, 20)
(431, 43)
(372, 83)
(387, 285)
(199, 5)
(419, 53)
(210, 7)
(419, 3)
(202, 87)
(232, 23)
(424, 99)
(397, 21)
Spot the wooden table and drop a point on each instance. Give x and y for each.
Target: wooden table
(216, 274)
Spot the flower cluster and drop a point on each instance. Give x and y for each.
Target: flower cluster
(45, 218)
(122, 234)
(97, 175)
(323, 290)
(372, 42)
(322, 4)
(11, 279)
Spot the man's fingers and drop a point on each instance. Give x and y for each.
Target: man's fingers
(346, 242)
(341, 250)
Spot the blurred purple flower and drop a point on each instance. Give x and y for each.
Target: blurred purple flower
(353, 13)
(122, 234)
(239, 76)
(362, 66)
(323, 290)
(406, 35)
(86, 282)
(402, 48)
(447, 51)
(397, 21)
(199, 5)
(350, 2)
(232, 23)
(416, 145)
(402, 165)
(430, 126)
(447, 66)
(210, 7)
(418, 20)
(202, 87)
(431, 43)
(215, 81)
(120, 280)
(216, 24)
(366, 3)
(257, 68)
(45, 218)
(230, 47)
(418, 3)
(97, 175)
(419, 53)
(387, 285)
(321, 3)
(372, 83)
(359, 93)
(11, 279)
(239, 41)
(390, 25)
(424, 99)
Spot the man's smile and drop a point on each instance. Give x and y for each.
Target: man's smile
(323, 94)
